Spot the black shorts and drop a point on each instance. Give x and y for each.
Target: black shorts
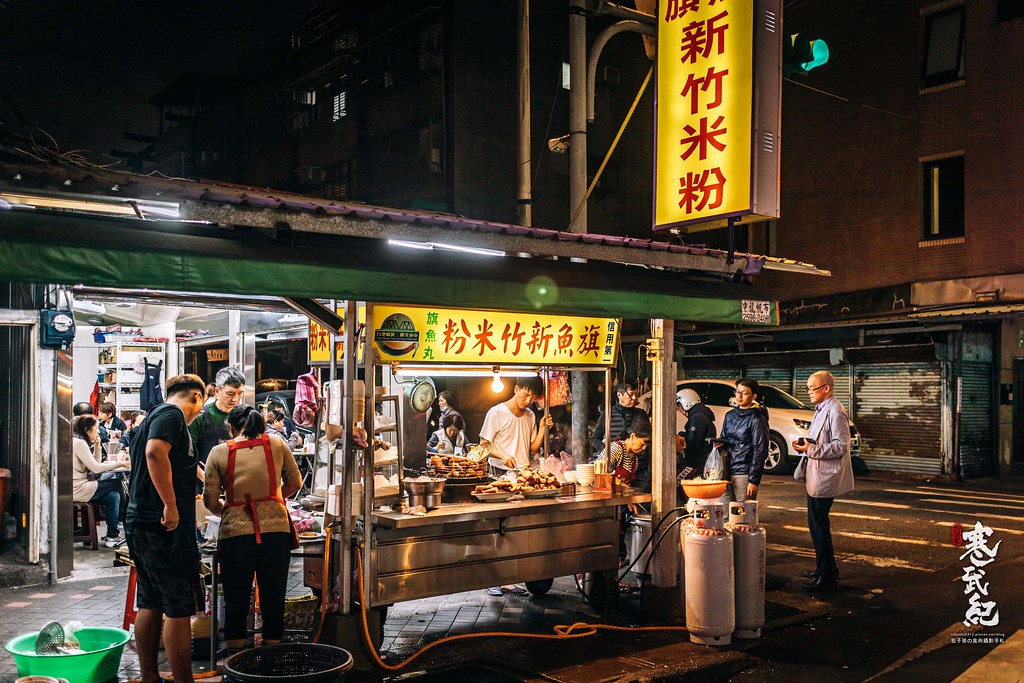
(161, 583)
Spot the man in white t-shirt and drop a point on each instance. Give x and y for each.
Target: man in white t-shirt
(510, 427)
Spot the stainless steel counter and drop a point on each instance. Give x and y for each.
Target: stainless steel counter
(476, 545)
(461, 512)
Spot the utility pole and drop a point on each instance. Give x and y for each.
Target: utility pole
(524, 193)
(577, 192)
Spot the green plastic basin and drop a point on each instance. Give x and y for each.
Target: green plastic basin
(99, 663)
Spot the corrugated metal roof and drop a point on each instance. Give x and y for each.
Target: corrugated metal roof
(225, 203)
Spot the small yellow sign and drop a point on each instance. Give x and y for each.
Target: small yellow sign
(320, 339)
(704, 129)
(442, 335)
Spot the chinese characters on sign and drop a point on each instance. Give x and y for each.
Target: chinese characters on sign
(320, 338)
(980, 611)
(759, 312)
(438, 335)
(705, 53)
(704, 167)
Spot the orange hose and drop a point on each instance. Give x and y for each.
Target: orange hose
(562, 631)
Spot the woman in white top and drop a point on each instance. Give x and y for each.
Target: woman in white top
(108, 492)
(452, 435)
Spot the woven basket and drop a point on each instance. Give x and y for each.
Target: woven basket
(294, 662)
(299, 612)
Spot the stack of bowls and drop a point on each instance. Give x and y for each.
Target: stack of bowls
(585, 475)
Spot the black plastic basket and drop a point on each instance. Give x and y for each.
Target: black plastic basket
(292, 662)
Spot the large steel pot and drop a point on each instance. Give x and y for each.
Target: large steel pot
(424, 491)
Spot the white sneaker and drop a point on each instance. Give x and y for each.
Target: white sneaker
(112, 542)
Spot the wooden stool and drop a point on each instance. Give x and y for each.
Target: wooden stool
(84, 525)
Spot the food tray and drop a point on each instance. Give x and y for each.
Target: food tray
(500, 497)
(543, 493)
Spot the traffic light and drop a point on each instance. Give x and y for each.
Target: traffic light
(800, 54)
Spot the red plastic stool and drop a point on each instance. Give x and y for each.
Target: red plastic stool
(129, 601)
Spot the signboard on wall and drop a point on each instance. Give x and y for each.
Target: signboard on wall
(320, 339)
(442, 335)
(718, 115)
(216, 355)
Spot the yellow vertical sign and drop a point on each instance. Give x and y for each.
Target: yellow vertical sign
(320, 339)
(704, 114)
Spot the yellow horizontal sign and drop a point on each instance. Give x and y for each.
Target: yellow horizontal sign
(442, 335)
(704, 114)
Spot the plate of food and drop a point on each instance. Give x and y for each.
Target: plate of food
(309, 535)
(543, 493)
(499, 497)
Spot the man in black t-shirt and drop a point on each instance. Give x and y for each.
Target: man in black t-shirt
(211, 427)
(160, 528)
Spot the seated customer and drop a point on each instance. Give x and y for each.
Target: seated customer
(108, 492)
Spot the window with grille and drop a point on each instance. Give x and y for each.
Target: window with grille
(340, 110)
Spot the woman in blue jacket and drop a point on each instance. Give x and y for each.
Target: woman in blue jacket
(745, 432)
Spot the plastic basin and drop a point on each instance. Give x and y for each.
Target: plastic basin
(99, 663)
(704, 489)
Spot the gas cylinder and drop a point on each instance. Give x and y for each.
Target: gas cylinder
(709, 581)
(749, 540)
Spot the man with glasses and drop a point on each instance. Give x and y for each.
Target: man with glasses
(624, 413)
(829, 474)
(211, 427)
(745, 432)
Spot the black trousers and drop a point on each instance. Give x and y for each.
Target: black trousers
(241, 558)
(821, 536)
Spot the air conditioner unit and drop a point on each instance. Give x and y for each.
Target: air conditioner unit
(206, 156)
(311, 175)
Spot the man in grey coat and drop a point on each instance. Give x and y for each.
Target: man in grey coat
(829, 473)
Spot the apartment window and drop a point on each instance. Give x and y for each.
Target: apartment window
(340, 110)
(943, 198)
(943, 47)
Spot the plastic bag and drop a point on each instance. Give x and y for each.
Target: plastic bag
(558, 464)
(715, 468)
(800, 473)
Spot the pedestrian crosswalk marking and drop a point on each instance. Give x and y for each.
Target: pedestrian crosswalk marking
(985, 494)
(884, 562)
(967, 525)
(895, 506)
(850, 514)
(983, 517)
(866, 535)
(973, 495)
(971, 503)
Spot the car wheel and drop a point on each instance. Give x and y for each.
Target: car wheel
(539, 587)
(777, 461)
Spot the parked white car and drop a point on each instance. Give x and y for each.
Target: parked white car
(788, 418)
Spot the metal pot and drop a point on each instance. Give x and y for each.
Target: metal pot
(425, 493)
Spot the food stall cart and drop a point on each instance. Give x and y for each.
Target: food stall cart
(468, 545)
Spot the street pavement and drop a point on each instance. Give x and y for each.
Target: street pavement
(901, 606)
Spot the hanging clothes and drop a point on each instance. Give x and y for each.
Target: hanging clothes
(307, 387)
(151, 394)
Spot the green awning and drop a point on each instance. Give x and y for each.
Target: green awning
(109, 252)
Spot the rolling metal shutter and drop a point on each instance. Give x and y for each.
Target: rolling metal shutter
(843, 389)
(976, 420)
(898, 411)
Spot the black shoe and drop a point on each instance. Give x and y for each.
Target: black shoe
(819, 586)
(809, 574)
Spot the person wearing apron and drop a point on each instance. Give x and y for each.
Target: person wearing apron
(256, 472)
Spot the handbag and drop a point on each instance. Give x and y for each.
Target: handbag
(291, 529)
(800, 473)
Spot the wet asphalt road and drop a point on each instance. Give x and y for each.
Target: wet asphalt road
(902, 590)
